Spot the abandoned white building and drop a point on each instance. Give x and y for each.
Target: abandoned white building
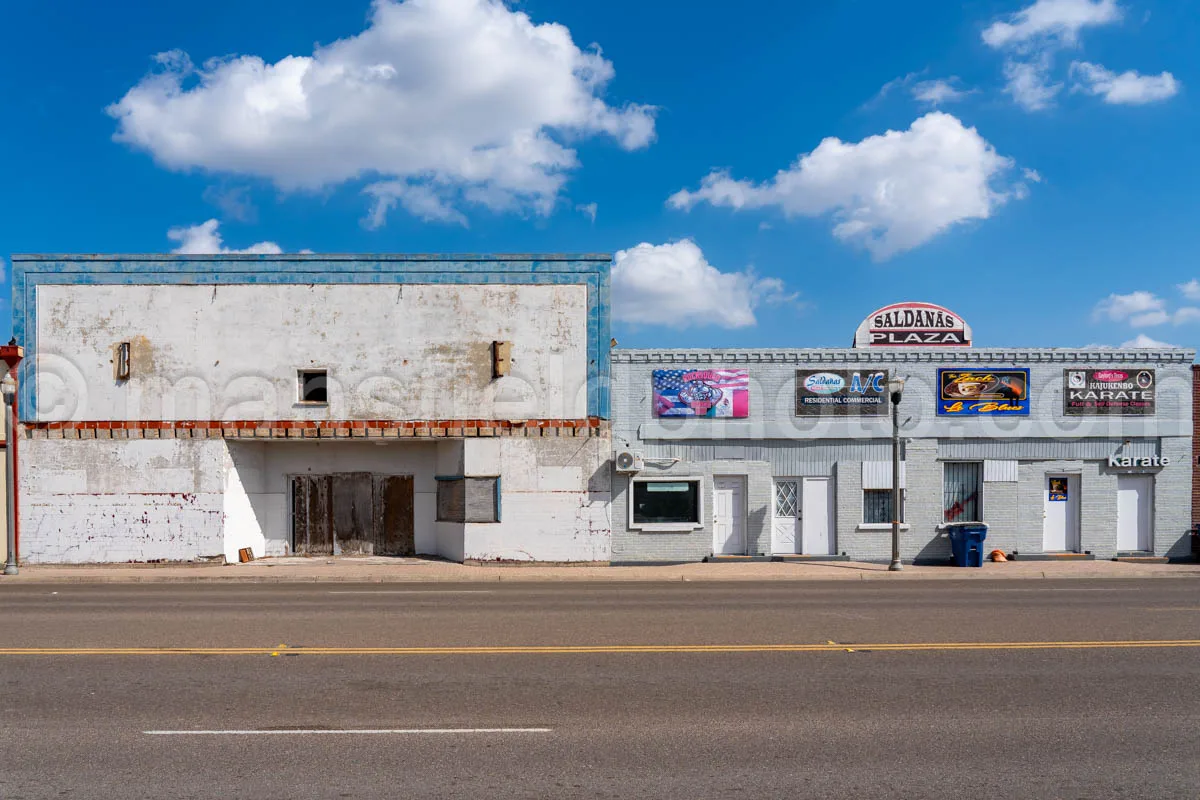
(187, 407)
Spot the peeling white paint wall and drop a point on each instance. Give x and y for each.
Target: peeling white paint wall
(98, 500)
(85, 501)
(418, 351)
(555, 497)
(248, 518)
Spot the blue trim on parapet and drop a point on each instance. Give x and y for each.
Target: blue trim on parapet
(590, 269)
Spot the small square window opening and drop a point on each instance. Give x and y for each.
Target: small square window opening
(313, 386)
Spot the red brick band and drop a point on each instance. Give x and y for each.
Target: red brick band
(313, 429)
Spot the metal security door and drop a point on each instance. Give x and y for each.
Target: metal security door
(1135, 513)
(1060, 514)
(729, 516)
(785, 525)
(818, 536)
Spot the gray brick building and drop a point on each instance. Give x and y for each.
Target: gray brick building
(1052, 463)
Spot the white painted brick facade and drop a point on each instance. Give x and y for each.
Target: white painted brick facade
(786, 446)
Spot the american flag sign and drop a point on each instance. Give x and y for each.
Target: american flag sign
(701, 393)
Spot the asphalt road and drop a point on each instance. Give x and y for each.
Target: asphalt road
(638, 715)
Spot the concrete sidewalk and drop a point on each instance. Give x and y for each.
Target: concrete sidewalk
(414, 570)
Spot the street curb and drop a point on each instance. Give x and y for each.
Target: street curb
(617, 577)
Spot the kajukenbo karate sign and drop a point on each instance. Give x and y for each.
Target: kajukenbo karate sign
(1127, 392)
(913, 325)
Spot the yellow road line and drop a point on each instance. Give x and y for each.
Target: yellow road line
(591, 649)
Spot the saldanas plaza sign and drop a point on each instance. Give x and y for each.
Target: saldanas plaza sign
(912, 324)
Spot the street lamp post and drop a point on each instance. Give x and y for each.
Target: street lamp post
(896, 390)
(8, 387)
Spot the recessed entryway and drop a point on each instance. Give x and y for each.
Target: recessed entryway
(729, 515)
(352, 512)
(1060, 514)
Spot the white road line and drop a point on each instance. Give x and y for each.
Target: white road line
(421, 591)
(1174, 608)
(345, 731)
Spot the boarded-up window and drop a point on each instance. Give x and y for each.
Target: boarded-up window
(451, 500)
(468, 500)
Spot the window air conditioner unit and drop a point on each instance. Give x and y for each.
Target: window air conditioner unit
(629, 461)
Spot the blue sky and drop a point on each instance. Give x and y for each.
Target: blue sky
(1039, 177)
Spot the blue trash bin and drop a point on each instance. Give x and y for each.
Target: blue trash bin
(966, 543)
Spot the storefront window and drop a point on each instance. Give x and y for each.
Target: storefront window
(877, 506)
(962, 485)
(666, 502)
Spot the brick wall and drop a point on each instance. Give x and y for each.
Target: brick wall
(315, 429)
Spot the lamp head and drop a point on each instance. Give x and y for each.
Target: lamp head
(8, 387)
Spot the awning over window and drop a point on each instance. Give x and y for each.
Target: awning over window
(878, 475)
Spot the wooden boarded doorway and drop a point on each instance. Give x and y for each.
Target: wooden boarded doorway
(353, 513)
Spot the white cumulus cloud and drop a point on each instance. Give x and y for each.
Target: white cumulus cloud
(1142, 341)
(1143, 309)
(674, 285)
(439, 103)
(1029, 83)
(1032, 36)
(205, 239)
(1057, 21)
(1139, 309)
(1127, 88)
(1190, 290)
(589, 210)
(888, 193)
(938, 92)
(933, 92)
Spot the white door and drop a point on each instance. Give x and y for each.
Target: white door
(1060, 514)
(729, 516)
(818, 535)
(1135, 512)
(785, 525)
